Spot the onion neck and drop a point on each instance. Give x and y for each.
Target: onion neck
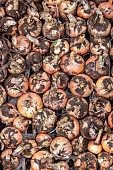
(82, 38)
(73, 6)
(20, 149)
(101, 19)
(97, 141)
(71, 18)
(99, 16)
(16, 4)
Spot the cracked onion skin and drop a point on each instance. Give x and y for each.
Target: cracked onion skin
(61, 148)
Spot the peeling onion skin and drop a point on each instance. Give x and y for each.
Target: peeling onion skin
(15, 8)
(43, 140)
(67, 7)
(79, 45)
(86, 9)
(81, 85)
(99, 45)
(99, 106)
(3, 72)
(72, 63)
(105, 159)
(97, 66)
(16, 85)
(21, 44)
(42, 46)
(86, 160)
(93, 27)
(59, 47)
(75, 26)
(26, 26)
(57, 99)
(90, 127)
(52, 29)
(107, 142)
(21, 123)
(51, 9)
(61, 148)
(39, 82)
(67, 126)
(27, 148)
(79, 145)
(40, 160)
(11, 137)
(51, 63)
(77, 107)
(104, 86)
(8, 25)
(8, 113)
(44, 120)
(60, 80)
(17, 64)
(5, 46)
(8, 160)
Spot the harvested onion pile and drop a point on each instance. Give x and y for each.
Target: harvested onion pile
(56, 84)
